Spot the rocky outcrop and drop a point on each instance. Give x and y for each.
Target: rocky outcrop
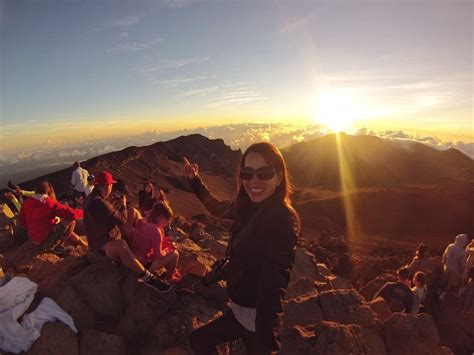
(331, 338)
(347, 307)
(411, 334)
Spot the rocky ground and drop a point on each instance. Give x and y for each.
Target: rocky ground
(328, 308)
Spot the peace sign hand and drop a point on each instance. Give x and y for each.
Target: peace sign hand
(190, 170)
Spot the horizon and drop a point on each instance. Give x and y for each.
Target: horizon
(71, 69)
(238, 136)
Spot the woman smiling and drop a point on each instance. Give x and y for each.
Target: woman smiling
(261, 251)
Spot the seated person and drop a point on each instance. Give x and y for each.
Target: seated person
(398, 294)
(102, 223)
(421, 261)
(40, 215)
(419, 291)
(133, 215)
(147, 242)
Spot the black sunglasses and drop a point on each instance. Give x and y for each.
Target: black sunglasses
(263, 173)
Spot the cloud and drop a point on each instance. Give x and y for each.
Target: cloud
(134, 46)
(237, 136)
(183, 80)
(227, 93)
(125, 21)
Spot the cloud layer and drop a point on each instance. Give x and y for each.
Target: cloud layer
(237, 136)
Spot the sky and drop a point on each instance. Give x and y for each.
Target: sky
(77, 71)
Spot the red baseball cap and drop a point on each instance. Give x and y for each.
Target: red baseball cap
(104, 178)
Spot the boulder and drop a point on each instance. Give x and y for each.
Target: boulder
(346, 307)
(411, 334)
(218, 249)
(322, 286)
(305, 266)
(144, 306)
(70, 301)
(381, 308)
(94, 342)
(300, 287)
(56, 339)
(334, 241)
(371, 288)
(324, 270)
(303, 310)
(99, 287)
(331, 338)
(339, 283)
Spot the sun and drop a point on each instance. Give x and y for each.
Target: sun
(336, 109)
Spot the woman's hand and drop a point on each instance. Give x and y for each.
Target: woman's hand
(190, 170)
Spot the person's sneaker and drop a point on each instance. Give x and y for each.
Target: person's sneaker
(158, 285)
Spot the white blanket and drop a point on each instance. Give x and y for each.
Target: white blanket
(15, 298)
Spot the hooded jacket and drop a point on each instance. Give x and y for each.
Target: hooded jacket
(262, 252)
(38, 216)
(454, 257)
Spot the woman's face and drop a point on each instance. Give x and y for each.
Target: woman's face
(259, 189)
(148, 188)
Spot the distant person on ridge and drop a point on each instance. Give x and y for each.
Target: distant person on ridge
(102, 225)
(79, 177)
(90, 185)
(454, 261)
(398, 294)
(40, 216)
(261, 253)
(148, 240)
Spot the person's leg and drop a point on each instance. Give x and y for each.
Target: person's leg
(168, 261)
(226, 328)
(119, 250)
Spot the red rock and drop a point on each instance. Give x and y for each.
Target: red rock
(94, 342)
(346, 307)
(381, 308)
(331, 338)
(56, 339)
(303, 310)
(411, 334)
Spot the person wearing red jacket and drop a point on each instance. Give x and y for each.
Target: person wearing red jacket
(41, 215)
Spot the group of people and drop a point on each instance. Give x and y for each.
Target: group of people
(414, 281)
(258, 260)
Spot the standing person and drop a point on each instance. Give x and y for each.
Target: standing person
(39, 215)
(469, 260)
(398, 294)
(102, 226)
(454, 261)
(79, 177)
(261, 253)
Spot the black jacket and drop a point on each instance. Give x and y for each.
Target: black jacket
(102, 220)
(263, 240)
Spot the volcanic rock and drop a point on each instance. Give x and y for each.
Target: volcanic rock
(346, 307)
(303, 310)
(94, 342)
(411, 334)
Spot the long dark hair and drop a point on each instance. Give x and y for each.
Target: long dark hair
(275, 159)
